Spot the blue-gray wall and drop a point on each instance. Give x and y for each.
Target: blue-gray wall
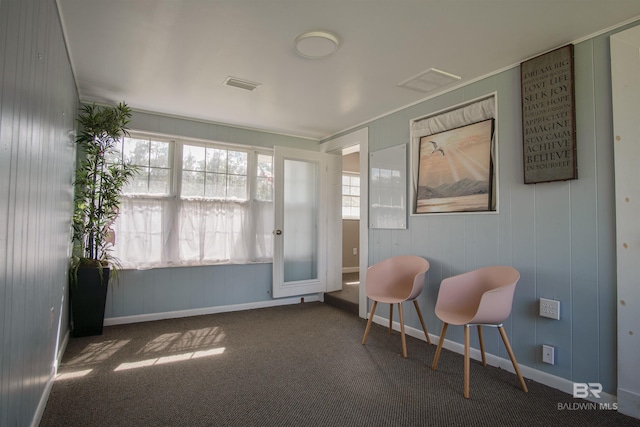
(38, 106)
(165, 290)
(561, 236)
(185, 127)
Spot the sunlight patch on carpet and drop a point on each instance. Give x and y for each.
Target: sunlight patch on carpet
(70, 375)
(170, 359)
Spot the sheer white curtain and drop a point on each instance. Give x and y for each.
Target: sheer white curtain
(162, 232)
(143, 231)
(224, 231)
(194, 203)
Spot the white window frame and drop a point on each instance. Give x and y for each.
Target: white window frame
(170, 252)
(350, 174)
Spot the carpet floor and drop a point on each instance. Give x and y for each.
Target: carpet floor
(296, 365)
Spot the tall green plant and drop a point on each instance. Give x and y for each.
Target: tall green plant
(99, 179)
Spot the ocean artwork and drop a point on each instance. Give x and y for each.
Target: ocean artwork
(455, 170)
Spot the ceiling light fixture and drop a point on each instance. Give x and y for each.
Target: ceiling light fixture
(316, 44)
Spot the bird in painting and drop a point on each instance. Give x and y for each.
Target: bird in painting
(436, 148)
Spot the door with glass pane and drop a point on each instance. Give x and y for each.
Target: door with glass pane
(300, 222)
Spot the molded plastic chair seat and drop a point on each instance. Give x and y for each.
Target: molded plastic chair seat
(481, 297)
(394, 281)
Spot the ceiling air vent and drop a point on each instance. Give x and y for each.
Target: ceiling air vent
(429, 80)
(241, 84)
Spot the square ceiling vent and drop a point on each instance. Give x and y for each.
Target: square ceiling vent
(429, 80)
(240, 83)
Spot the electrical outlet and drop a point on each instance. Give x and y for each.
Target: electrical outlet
(355, 251)
(550, 308)
(548, 354)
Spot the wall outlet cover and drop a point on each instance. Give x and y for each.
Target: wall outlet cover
(550, 308)
(548, 354)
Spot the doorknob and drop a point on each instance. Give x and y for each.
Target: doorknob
(277, 232)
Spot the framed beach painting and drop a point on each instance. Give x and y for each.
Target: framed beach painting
(455, 170)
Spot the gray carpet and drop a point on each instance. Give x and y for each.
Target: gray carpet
(299, 365)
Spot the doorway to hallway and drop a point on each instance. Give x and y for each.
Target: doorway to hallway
(346, 298)
(345, 144)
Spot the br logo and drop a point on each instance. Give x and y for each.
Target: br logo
(584, 390)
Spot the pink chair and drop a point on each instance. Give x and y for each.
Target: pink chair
(480, 297)
(393, 281)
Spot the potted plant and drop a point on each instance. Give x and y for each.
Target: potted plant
(99, 179)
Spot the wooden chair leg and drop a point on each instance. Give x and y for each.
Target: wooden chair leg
(466, 361)
(390, 319)
(366, 331)
(503, 334)
(434, 365)
(403, 338)
(481, 341)
(424, 327)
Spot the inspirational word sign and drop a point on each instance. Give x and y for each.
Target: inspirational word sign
(548, 117)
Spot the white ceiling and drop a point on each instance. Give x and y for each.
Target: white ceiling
(172, 56)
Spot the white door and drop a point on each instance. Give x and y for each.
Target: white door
(303, 219)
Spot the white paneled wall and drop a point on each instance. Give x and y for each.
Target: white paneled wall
(38, 106)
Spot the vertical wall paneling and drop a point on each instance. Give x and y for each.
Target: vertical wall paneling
(7, 26)
(552, 217)
(38, 104)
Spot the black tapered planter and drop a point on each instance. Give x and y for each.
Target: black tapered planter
(88, 299)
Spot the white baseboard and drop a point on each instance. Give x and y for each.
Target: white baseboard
(629, 403)
(37, 417)
(350, 269)
(207, 310)
(541, 377)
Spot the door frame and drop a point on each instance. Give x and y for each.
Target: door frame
(361, 138)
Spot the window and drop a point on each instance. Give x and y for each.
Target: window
(194, 203)
(214, 173)
(350, 196)
(153, 160)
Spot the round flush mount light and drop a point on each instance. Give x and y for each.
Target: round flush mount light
(316, 44)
